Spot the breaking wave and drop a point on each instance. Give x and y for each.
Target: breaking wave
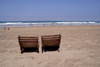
(45, 23)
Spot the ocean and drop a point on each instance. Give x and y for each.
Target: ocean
(45, 23)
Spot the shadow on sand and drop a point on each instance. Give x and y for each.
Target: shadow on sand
(50, 49)
(27, 50)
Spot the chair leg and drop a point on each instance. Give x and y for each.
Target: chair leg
(58, 49)
(37, 50)
(21, 50)
(42, 49)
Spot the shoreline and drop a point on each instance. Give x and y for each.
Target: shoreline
(51, 26)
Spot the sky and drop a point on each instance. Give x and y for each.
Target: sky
(49, 10)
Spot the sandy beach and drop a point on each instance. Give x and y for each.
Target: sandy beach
(80, 47)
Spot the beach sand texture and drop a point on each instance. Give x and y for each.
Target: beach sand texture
(80, 47)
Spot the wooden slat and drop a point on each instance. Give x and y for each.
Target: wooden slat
(53, 40)
(27, 40)
(50, 35)
(50, 38)
(51, 44)
(29, 44)
(27, 37)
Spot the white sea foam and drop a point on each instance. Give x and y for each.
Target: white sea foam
(13, 22)
(65, 23)
(54, 23)
(91, 22)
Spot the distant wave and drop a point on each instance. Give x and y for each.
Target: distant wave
(74, 22)
(45, 23)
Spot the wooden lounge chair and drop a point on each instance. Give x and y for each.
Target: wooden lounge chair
(51, 40)
(28, 42)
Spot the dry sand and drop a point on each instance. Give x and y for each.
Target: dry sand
(80, 47)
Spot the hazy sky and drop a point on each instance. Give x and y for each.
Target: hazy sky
(49, 10)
